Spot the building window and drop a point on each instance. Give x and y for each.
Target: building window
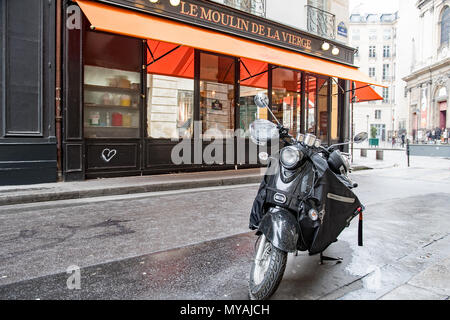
(372, 72)
(385, 95)
(372, 34)
(256, 7)
(377, 114)
(320, 21)
(386, 72)
(386, 51)
(387, 34)
(372, 51)
(356, 35)
(445, 26)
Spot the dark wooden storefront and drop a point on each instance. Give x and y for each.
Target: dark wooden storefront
(85, 156)
(27, 92)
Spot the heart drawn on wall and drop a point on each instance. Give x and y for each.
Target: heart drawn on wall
(108, 154)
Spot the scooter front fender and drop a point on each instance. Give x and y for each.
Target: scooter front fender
(281, 228)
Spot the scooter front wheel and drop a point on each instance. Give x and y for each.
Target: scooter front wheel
(267, 270)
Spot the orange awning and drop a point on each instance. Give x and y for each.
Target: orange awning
(135, 24)
(363, 93)
(170, 60)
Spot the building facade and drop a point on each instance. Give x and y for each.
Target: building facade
(428, 84)
(28, 140)
(375, 38)
(326, 18)
(104, 98)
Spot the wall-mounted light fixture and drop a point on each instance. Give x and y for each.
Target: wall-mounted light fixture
(153, 1)
(325, 46)
(335, 51)
(175, 2)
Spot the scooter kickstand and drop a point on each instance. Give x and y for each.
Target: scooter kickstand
(325, 258)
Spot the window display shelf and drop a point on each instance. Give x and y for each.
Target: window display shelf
(105, 106)
(91, 87)
(110, 127)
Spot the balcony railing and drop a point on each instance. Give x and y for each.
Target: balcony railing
(321, 22)
(256, 7)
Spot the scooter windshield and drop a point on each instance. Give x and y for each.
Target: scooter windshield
(262, 131)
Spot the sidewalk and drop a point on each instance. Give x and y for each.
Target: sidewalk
(10, 195)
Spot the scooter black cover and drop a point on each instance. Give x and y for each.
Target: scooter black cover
(338, 205)
(334, 201)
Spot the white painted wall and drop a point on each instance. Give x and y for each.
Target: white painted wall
(289, 12)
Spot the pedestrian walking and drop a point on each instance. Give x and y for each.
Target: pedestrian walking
(403, 140)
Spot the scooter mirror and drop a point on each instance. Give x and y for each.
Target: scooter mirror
(361, 137)
(261, 100)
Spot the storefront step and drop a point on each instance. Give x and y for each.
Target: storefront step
(127, 185)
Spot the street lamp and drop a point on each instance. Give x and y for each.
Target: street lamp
(368, 123)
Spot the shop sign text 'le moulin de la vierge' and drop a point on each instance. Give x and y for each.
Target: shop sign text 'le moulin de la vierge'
(242, 24)
(223, 18)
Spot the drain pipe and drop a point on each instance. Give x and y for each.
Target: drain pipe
(58, 117)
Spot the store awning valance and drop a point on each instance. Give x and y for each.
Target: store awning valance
(126, 22)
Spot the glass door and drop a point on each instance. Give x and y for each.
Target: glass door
(217, 96)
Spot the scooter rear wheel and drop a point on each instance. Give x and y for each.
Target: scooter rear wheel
(266, 274)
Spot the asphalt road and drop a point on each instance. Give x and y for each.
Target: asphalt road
(195, 244)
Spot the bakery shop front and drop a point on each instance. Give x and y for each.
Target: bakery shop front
(140, 76)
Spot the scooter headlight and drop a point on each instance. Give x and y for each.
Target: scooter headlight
(290, 157)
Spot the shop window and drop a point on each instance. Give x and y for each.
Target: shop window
(217, 92)
(170, 90)
(112, 86)
(286, 94)
(254, 77)
(322, 109)
(311, 98)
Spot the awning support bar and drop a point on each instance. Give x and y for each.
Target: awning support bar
(240, 60)
(165, 54)
(260, 73)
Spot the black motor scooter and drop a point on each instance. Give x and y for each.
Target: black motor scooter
(304, 202)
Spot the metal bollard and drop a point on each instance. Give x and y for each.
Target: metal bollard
(380, 154)
(364, 153)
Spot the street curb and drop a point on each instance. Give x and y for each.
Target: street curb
(360, 168)
(122, 190)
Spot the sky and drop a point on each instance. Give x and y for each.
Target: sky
(374, 6)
